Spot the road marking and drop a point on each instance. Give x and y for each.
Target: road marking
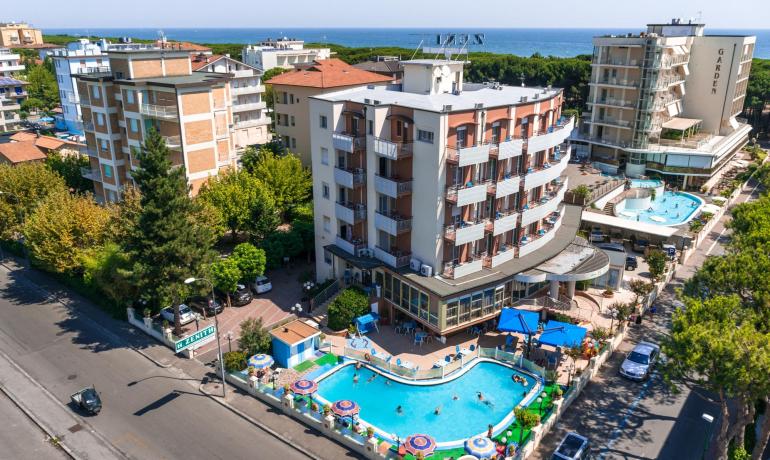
(629, 412)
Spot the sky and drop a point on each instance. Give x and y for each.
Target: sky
(728, 14)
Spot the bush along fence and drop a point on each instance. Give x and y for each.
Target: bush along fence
(166, 337)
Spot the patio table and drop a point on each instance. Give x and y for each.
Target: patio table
(409, 326)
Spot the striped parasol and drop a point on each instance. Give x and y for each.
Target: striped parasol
(345, 408)
(481, 447)
(421, 443)
(261, 361)
(304, 387)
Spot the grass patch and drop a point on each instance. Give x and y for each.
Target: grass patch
(304, 365)
(328, 358)
(535, 409)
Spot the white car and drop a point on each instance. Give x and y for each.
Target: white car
(638, 364)
(262, 284)
(573, 447)
(185, 314)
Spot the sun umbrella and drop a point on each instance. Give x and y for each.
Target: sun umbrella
(304, 387)
(345, 408)
(261, 361)
(421, 443)
(481, 447)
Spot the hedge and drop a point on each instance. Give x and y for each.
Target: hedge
(349, 304)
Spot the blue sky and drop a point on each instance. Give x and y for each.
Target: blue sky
(734, 14)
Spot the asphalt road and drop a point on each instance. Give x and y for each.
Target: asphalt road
(20, 438)
(149, 412)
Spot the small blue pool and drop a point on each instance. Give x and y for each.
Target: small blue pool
(645, 183)
(668, 208)
(462, 413)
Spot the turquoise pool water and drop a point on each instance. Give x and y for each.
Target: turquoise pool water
(669, 208)
(645, 183)
(459, 419)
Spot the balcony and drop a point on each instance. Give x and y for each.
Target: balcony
(350, 178)
(352, 213)
(88, 125)
(619, 103)
(392, 223)
(91, 152)
(465, 232)
(613, 122)
(506, 253)
(469, 193)
(665, 83)
(173, 142)
(550, 170)
(348, 142)
(454, 270)
(91, 174)
(618, 82)
(73, 98)
(392, 150)
(673, 61)
(394, 258)
(537, 210)
(263, 121)
(555, 135)
(505, 222)
(392, 186)
(465, 156)
(105, 69)
(351, 246)
(531, 243)
(508, 185)
(246, 107)
(164, 112)
(616, 62)
(249, 89)
(510, 148)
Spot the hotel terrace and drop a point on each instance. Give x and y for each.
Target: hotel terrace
(446, 195)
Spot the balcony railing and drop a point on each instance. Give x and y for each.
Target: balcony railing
(393, 150)
(350, 245)
(392, 186)
(617, 82)
(465, 156)
(249, 89)
(351, 213)
(91, 152)
(91, 174)
(667, 82)
(610, 121)
(88, 125)
(173, 142)
(668, 62)
(350, 178)
(611, 102)
(239, 107)
(505, 253)
(456, 269)
(552, 137)
(392, 223)
(348, 142)
(536, 210)
(471, 192)
(465, 232)
(505, 221)
(394, 258)
(165, 112)
(533, 242)
(73, 98)
(92, 70)
(617, 62)
(253, 122)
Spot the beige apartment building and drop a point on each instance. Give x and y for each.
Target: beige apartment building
(150, 87)
(665, 102)
(19, 34)
(293, 90)
(446, 195)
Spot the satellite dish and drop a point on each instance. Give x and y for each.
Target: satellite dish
(437, 71)
(445, 71)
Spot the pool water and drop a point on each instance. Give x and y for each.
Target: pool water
(459, 419)
(645, 183)
(669, 208)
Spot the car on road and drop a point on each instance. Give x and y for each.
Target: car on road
(638, 364)
(87, 400)
(262, 284)
(185, 314)
(207, 306)
(631, 263)
(573, 447)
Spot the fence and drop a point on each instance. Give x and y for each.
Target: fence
(325, 294)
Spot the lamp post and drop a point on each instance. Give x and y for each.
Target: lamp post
(216, 325)
(540, 402)
(709, 423)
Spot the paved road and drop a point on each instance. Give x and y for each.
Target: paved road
(149, 412)
(632, 420)
(20, 438)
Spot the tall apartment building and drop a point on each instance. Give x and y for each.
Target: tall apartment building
(447, 195)
(151, 87)
(12, 94)
(251, 123)
(291, 93)
(665, 102)
(19, 34)
(77, 58)
(282, 52)
(10, 63)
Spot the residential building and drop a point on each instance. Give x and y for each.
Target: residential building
(14, 153)
(251, 124)
(49, 144)
(447, 195)
(12, 94)
(390, 66)
(10, 63)
(665, 102)
(150, 87)
(19, 34)
(291, 93)
(282, 52)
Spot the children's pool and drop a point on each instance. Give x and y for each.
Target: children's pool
(462, 414)
(645, 183)
(668, 208)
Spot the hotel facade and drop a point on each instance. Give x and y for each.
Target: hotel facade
(446, 195)
(665, 102)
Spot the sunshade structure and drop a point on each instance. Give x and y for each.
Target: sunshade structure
(560, 334)
(261, 361)
(521, 321)
(367, 323)
(304, 387)
(345, 408)
(420, 443)
(481, 447)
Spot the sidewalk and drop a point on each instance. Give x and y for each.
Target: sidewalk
(74, 435)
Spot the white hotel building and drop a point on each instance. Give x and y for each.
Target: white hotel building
(285, 53)
(665, 102)
(447, 195)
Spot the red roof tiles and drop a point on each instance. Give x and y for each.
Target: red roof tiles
(328, 73)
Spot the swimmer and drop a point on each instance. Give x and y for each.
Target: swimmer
(387, 382)
(399, 410)
(489, 403)
(358, 365)
(371, 379)
(480, 396)
(355, 378)
(437, 411)
(455, 398)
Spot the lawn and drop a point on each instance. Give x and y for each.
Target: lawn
(328, 358)
(304, 365)
(534, 408)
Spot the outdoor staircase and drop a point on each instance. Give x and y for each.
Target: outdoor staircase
(321, 308)
(609, 209)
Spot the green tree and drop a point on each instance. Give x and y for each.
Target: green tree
(250, 260)
(656, 261)
(285, 177)
(68, 167)
(640, 288)
(253, 339)
(348, 305)
(168, 242)
(108, 269)
(526, 420)
(225, 275)
(42, 86)
(280, 244)
(22, 188)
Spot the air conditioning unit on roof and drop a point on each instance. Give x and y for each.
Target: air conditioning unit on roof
(415, 264)
(426, 270)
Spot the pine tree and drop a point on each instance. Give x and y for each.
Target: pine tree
(168, 243)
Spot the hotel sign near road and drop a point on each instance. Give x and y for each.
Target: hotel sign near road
(195, 340)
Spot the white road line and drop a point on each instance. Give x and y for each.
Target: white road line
(629, 412)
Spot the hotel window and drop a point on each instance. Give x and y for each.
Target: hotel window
(119, 75)
(292, 120)
(285, 97)
(489, 301)
(324, 122)
(432, 310)
(423, 305)
(414, 302)
(496, 133)
(387, 288)
(396, 291)
(99, 119)
(327, 224)
(465, 310)
(425, 136)
(452, 309)
(327, 257)
(476, 304)
(404, 296)
(325, 190)
(129, 96)
(95, 92)
(104, 144)
(291, 98)
(107, 171)
(294, 142)
(324, 156)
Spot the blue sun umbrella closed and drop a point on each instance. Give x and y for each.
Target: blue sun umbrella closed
(481, 447)
(261, 361)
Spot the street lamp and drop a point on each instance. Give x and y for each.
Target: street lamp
(216, 325)
(296, 309)
(540, 401)
(710, 422)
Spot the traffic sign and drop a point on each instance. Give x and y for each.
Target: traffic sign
(197, 339)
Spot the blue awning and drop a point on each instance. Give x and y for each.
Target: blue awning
(515, 320)
(559, 334)
(367, 322)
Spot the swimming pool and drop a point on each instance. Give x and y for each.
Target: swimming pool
(645, 183)
(459, 419)
(668, 208)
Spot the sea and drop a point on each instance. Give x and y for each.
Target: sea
(521, 42)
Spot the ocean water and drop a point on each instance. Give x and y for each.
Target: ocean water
(521, 42)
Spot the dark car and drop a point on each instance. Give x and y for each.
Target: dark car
(88, 400)
(631, 263)
(207, 306)
(242, 296)
(573, 447)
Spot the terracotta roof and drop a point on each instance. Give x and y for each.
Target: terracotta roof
(22, 136)
(294, 332)
(199, 60)
(182, 46)
(49, 143)
(328, 73)
(19, 152)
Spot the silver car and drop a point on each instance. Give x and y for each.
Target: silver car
(185, 314)
(573, 447)
(638, 364)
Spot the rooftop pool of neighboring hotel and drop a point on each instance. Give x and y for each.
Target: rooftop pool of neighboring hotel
(668, 208)
(462, 414)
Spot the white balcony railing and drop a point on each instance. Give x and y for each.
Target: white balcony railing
(392, 223)
(392, 187)
(535, 211)
(465, 233)
(555, 136)
(467, 194)
(349, 178)
(544, 175)
(348, 142)
(510, 148)
(350, 246)
(535, 242)
(465, 156)
(505, 222)
(506, 253)
(454, 270)
(351, 213)
(395, 259)
(392, 150)
(165, 112)
(238, 107)
(507, 186)
(91, 174)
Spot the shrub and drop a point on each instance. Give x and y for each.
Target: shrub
(656, 260)
(351, 303)
(253, 339)
(234, 361)
(599, 333)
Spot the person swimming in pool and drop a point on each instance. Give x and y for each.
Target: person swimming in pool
(355, 378)
(480, 396)
(387, 382)
(455, 398)
(399, 410)
(358, 365)
(371, 379)
(437, 411)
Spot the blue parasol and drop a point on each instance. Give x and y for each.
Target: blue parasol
(481, 447)
(261, 361)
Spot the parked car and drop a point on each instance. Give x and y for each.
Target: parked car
(87, 400)
(631, 263)
(241, 296)
(185, 314)
(640, 245)
(638, 364)
(262, 284)
(573, 447)
(617, 247)
(207, 305)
